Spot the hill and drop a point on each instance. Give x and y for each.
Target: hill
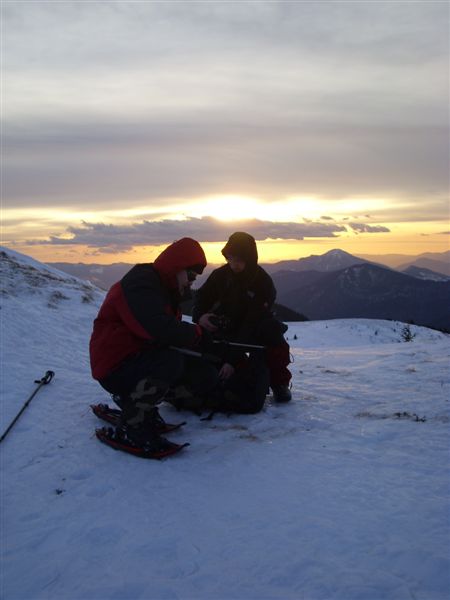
(396, 261)
(340, 494)
(366, 291)
(438, 266)
(423, 273)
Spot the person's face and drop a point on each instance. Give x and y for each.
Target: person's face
(237, 265)
(185, 279)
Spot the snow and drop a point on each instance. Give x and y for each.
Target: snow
(342, 494)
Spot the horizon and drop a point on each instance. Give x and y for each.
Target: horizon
(362, 255)
(309, 125)
(213, 252)
(390, 258)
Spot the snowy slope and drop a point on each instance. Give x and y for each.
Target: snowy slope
(423, 273)
(342, 494)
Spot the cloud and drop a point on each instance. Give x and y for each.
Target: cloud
(152, 32)
(107, 164)
(137, 103)
(411, 210)
(108, 237)
(364, 228)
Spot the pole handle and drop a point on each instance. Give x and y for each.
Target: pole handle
(46, 379)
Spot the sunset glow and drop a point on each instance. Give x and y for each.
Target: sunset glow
(310, 125)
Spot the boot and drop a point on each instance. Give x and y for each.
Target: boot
(144, 433)
(139, 441)
(140, 421)
(281, 393)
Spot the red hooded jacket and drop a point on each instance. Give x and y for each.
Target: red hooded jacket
(142, 309)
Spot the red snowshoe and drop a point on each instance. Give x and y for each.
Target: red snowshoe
(158, 448)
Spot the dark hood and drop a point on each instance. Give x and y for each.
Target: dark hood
(243, 245)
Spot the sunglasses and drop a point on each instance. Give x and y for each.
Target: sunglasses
(191, 275)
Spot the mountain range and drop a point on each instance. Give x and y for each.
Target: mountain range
(104, 276)
(368, 291)
(338, 285)
(402, 261)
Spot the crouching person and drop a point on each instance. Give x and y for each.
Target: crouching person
(235, 303)
(132, 348)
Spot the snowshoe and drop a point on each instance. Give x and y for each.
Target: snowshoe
(114, 416)
(157, 449)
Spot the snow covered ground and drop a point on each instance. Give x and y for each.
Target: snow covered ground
(341, 495)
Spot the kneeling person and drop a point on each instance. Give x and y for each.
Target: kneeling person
(132, 345)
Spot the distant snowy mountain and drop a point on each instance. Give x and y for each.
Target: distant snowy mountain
(437, 266)
(334, 260)
(399, 261)
(342, 493)
(366, 291)
(423, 273)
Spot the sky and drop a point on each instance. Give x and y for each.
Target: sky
(311, 125)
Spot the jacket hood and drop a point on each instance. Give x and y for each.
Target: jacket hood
(182, 254)
(243, 245)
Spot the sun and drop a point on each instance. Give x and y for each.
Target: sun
(234, 207)
(230, 208)
(227, 208)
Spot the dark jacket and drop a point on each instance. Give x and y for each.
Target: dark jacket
(142, 310)
(244, 298)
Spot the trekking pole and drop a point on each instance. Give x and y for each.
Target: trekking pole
(206, 356)
(213, 357)
(238, 345)
(46, 379)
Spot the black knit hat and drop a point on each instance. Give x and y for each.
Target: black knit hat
(242, 245)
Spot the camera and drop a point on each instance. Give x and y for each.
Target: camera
(220, 321)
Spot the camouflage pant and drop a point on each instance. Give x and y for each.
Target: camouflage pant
(163, 365)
